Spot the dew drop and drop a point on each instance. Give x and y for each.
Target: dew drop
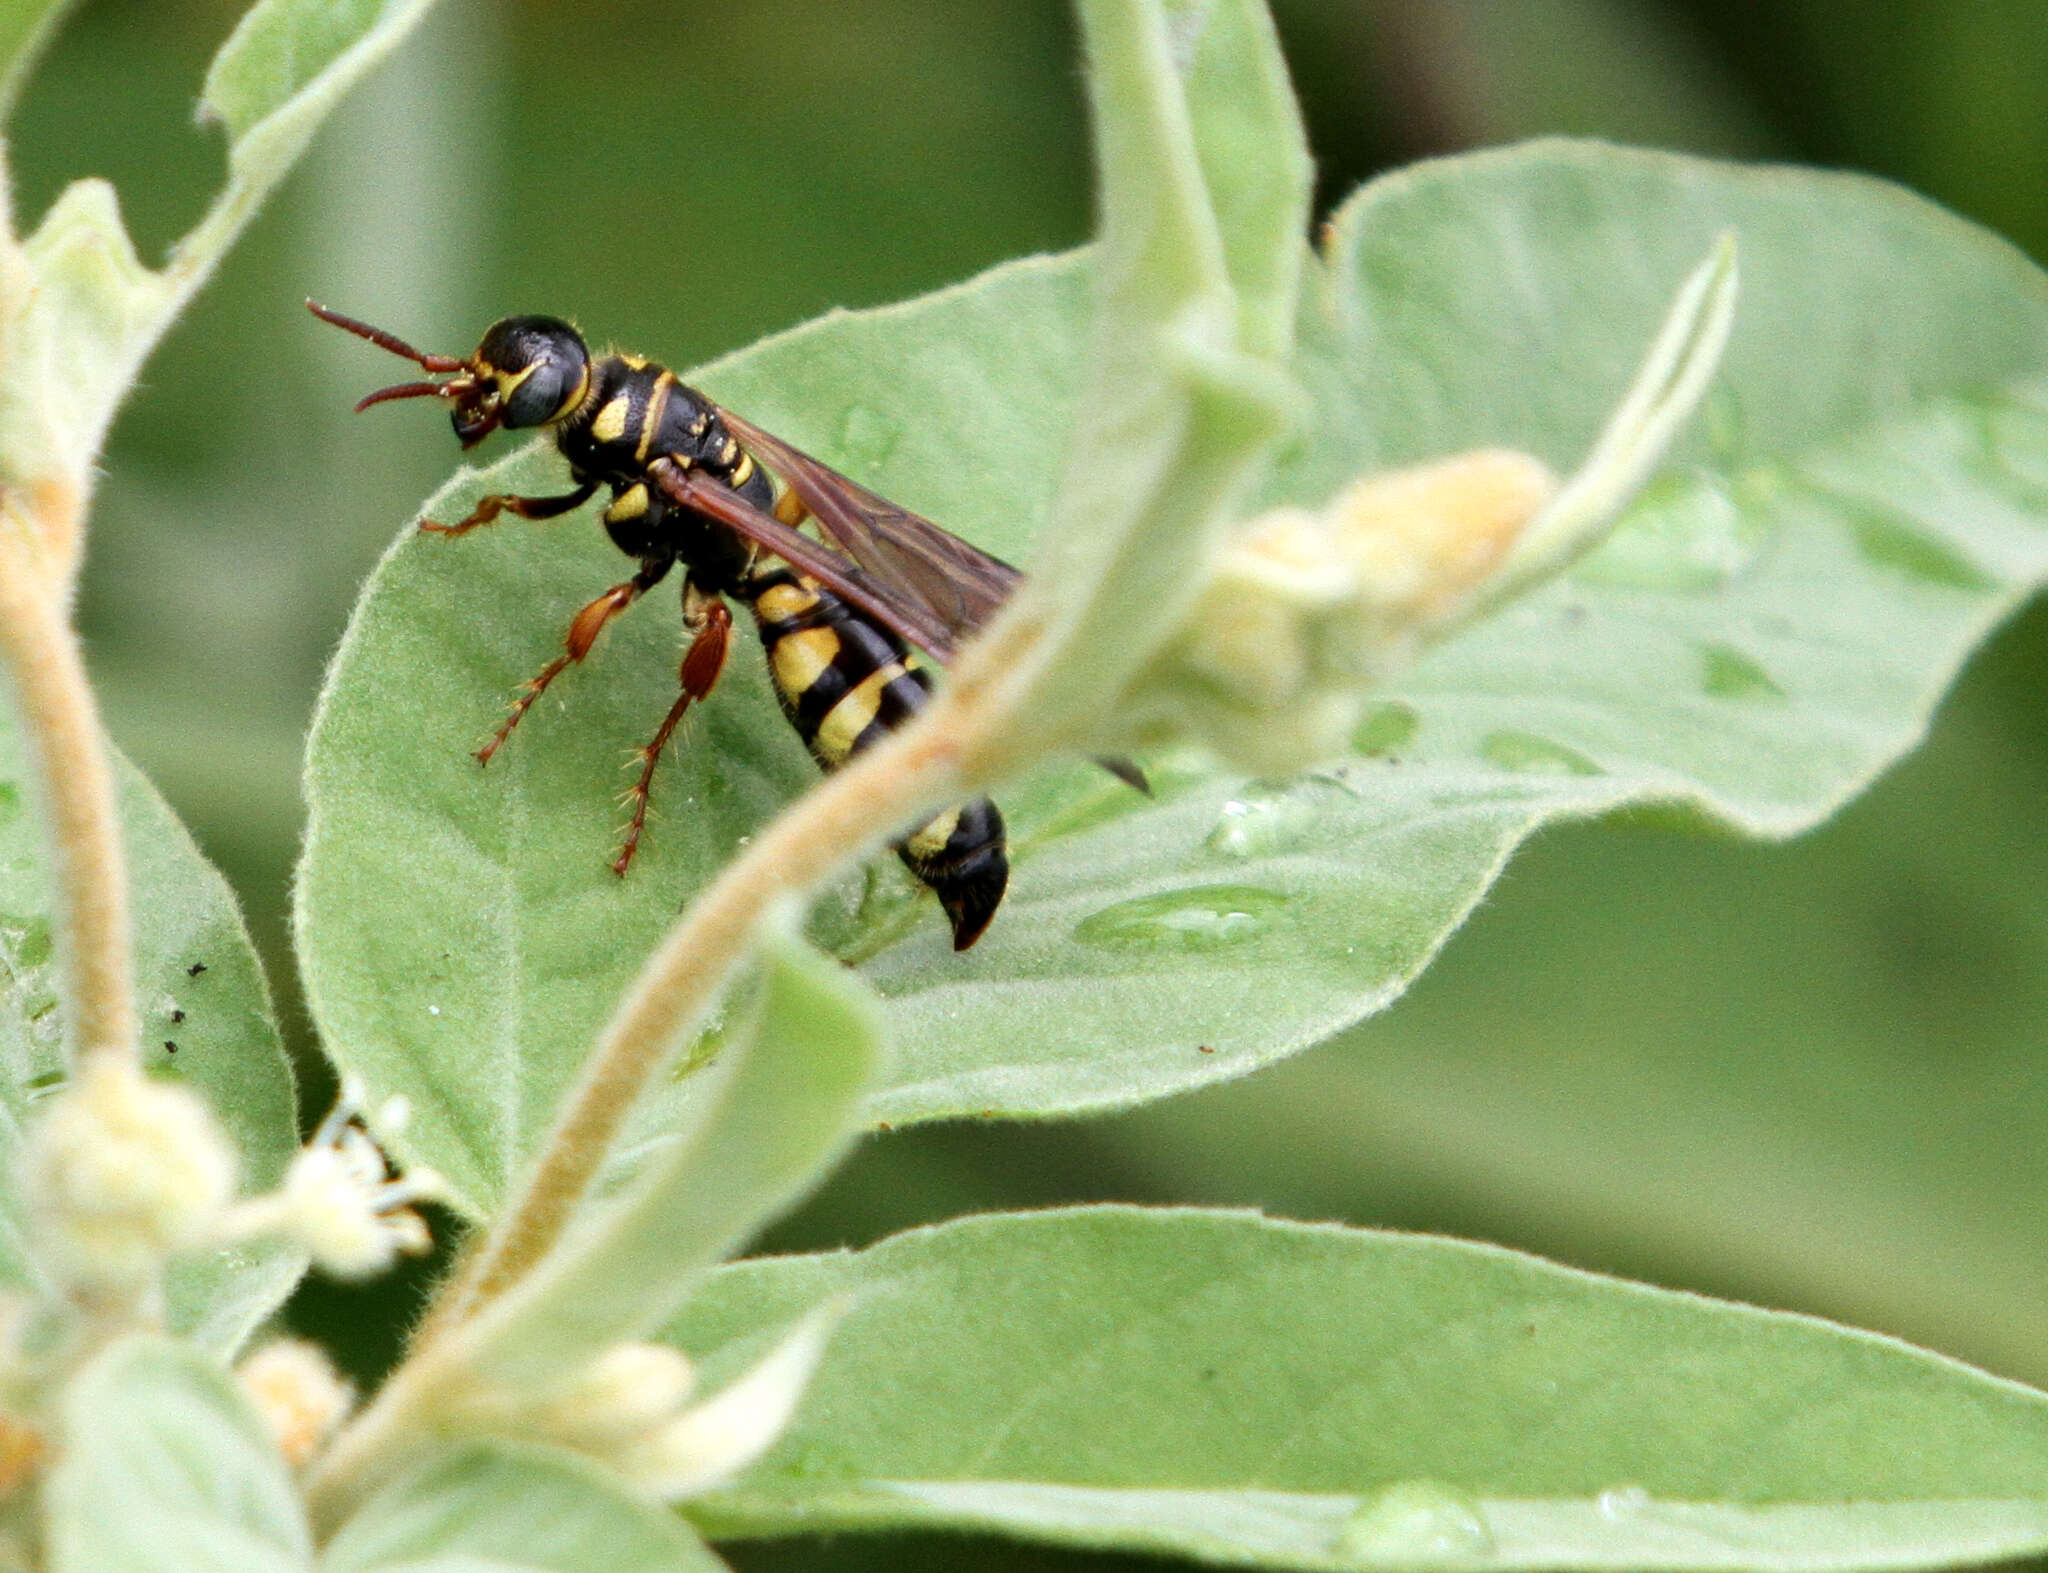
(1726, 673)
(1527, 754)
(26, 943)
(1263, 818)
(1199, 917)
(1901, 545)
(1684, 534)
(1384, 728)
(866, 438)
(1417, 1520)
(10, 802)
(1620, 1503)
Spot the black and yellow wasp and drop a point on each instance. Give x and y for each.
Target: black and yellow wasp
(692, 483)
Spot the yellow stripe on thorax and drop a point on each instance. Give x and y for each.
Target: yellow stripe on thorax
(657, 401)
(610, 424)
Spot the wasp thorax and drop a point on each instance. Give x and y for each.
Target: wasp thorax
(537, 366)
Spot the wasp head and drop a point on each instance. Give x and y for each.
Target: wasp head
(528, 371)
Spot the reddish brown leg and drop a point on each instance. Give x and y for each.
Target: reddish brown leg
(488, 508)
(711, 620)
(583, 632)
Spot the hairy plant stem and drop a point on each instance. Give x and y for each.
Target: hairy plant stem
(74, 783)
(934, 761)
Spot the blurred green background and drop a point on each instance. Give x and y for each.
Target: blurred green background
(1803, 1075)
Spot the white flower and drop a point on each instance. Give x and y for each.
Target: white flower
(338, 1201)
(121, 1171)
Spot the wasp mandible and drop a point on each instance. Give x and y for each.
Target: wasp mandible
(692, 483)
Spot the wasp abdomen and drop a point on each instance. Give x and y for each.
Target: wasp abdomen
(845, 682)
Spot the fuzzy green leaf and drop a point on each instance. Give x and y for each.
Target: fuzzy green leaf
(219, 1018)
(1236, 1389)
(90, 311)
(771, 1115)
(1865, 493)
(164, 1469)
(26, 28)
(1254, 158)
(502, 1509)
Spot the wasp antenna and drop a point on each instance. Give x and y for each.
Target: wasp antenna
(385, 341)
(407, 390)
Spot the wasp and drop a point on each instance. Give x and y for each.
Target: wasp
(842, 624)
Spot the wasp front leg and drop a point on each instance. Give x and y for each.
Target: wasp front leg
(583, 631)
(709, 622)
(488, 509)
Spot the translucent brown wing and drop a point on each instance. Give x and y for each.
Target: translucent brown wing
(959, 585)
(911, 619)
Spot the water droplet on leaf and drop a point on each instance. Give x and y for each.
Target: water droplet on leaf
(1726, 673)
(866, 438)
(1384, 728)
(1900, 544)
(1619, 1503)
(1685, 534)
(1417, 1520)
(1264, 818)
(1200, 917)
(1527, 754)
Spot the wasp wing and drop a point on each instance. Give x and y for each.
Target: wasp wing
(971, 580)
(959, 585)
(910, 619)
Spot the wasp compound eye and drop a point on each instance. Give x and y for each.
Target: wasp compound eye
(538, 367)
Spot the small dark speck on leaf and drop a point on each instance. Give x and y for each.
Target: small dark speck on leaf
(170, 1047)
(1205, 1048)
(195, 969)
(177, 1016)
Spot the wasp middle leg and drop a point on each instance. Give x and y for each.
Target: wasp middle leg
(709, 622)
(583, 631)
(488, 509)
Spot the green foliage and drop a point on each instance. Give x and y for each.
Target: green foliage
(1769, 626)
(493, 1509)
(1496, 299)
(772, 1113)
(219, 1018)
(1238, 1389)
(166, 1470)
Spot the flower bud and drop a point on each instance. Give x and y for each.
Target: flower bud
(712, 1443)
(301, 1398)
(621, 1396)
(1306, 611)
(121, 1171)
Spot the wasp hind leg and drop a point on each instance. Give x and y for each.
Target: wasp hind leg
(709, 621)
(583, 631)
(488, 508)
